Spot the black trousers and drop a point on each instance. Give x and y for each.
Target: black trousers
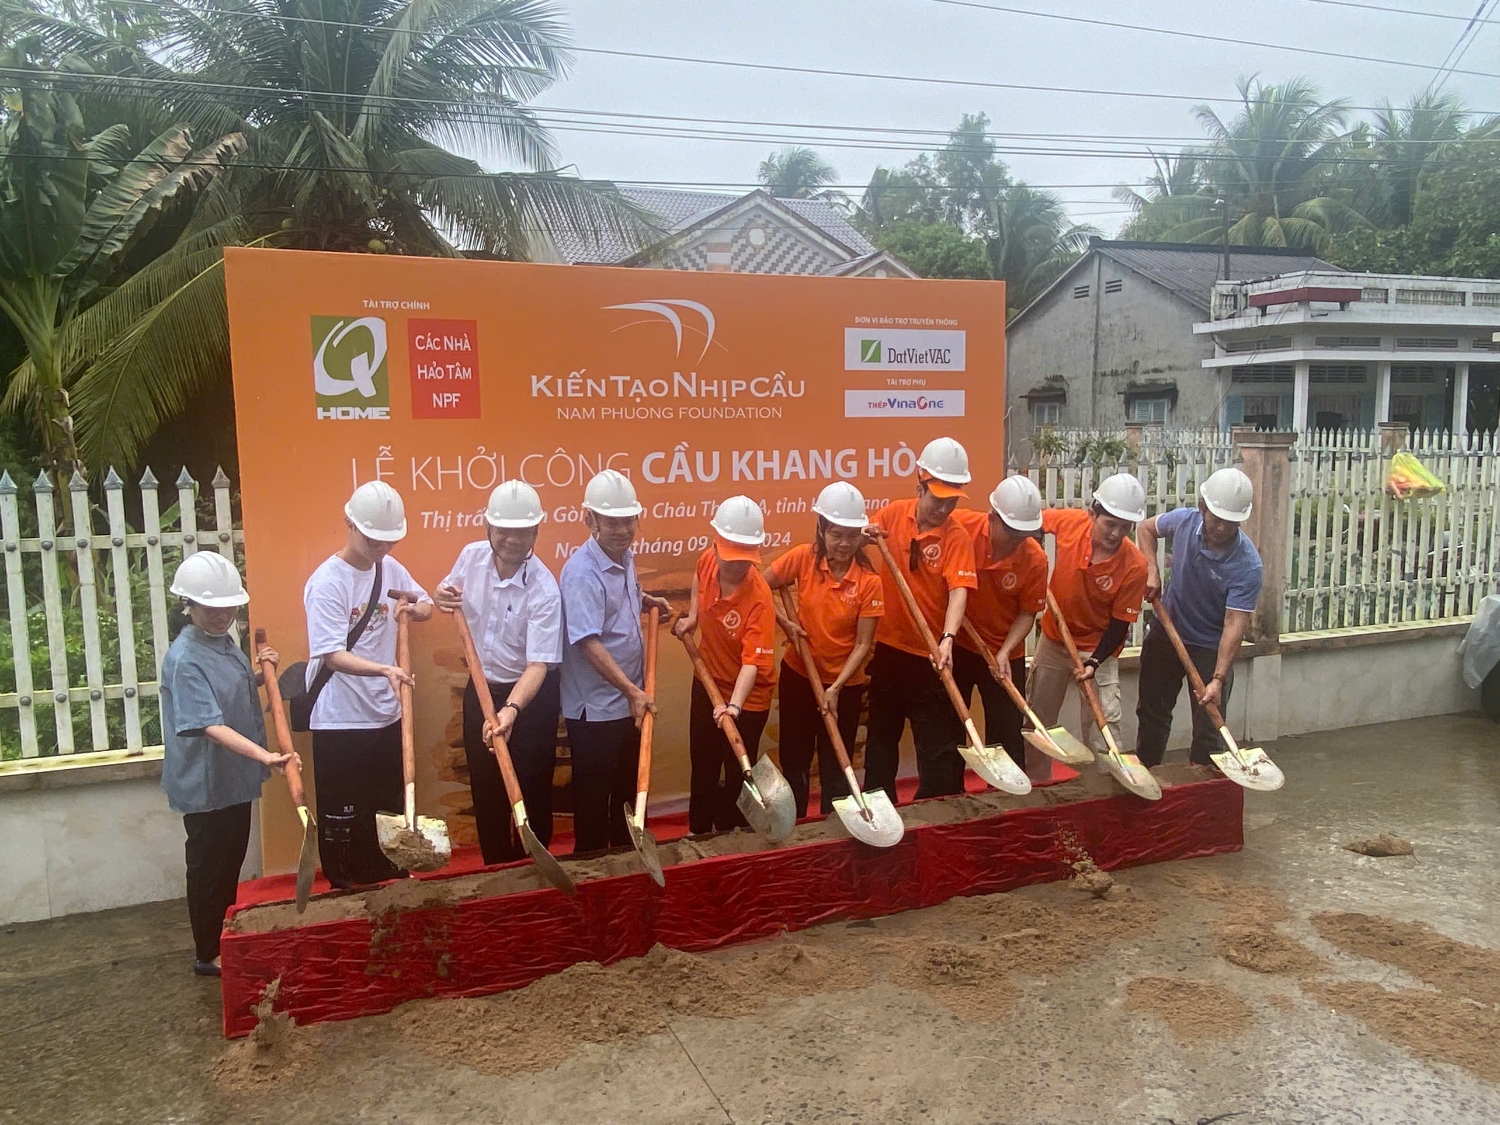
(606, 753)
(533, 753)
(714, 785)
(905, 688)
(1161, 679)
(215, 851)
(358, 774)
(803, 735)
(1002, 718)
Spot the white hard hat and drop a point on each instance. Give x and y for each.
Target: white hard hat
(1123, 497)
(739, 520)
(946, 460)
(514, 503)
(1017, 502)
(610, 493)
(1227, 494)
(210, 579)
(842, 503)
(377, 512)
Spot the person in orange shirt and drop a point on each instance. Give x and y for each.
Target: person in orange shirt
(732, 604)
(1012, 571)
(937, 557)
(1099, 582)
(839, 602)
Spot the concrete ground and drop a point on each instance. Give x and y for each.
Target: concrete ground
(1147, 1021)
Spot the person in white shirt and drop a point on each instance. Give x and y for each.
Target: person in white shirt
(356, 716)
(514, 611)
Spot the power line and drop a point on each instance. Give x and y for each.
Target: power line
(1204, 37)
(1459, 49)
(1422, 12)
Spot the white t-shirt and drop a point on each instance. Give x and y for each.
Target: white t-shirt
(334, 599)
(516, 621)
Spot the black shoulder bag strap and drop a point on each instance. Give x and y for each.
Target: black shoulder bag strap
(302, 703)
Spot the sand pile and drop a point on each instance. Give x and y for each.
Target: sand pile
(967, 979)
(1263, 950)
(1431, 1025)
(789, 968)
(1381, 846)
(1418, 949)
(1088, 877)
(275, 1050)
(1192, 1009)
(1246, 903)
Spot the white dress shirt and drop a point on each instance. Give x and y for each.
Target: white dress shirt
(516, 621)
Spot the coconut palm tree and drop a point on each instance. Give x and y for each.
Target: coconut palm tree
(798, 173)
(1030, 241)
(1393, 154)
(1174, 177)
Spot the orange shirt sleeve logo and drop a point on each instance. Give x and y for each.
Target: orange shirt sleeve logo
(732, 620)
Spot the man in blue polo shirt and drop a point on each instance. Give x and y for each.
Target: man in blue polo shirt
(1216, 576)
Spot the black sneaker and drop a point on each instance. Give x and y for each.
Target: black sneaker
(205, 969)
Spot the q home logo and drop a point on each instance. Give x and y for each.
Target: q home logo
(350, 377)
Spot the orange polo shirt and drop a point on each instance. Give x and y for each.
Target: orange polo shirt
(737, 630)
(1088, 593)
(945, 561)
(830, 609)
(1008, 587)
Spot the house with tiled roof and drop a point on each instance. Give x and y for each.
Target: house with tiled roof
(753, 233)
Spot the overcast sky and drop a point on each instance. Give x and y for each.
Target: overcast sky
(935, 39)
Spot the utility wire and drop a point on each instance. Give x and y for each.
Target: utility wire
(1422, 12)
(1459, 49)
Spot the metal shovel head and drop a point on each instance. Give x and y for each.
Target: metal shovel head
(546, 863)
(426, 849)
(766, 801)
(1057, 743)
(995, 765)
(645, 846)
(1129, 772)
(1251, 768)
(307, 860)
(880, 827)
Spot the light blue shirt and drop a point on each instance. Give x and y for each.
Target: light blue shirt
(601, 598)
(1205, 582)
(206, 681)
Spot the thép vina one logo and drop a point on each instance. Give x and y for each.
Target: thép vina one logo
(351, 379)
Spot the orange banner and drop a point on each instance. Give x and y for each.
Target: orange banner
(445, 377)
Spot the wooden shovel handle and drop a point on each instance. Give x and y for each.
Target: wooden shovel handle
(994, 665)
(726, 721)
(487, 706)
(804, 650)
(1187, 661)
(282, 727)
(403, 661)
(944, 674)
(648, 721)
(1087, 685)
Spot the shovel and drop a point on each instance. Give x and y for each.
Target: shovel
(1056, 742)
(1125, 768)
(869, 817)
(546, 862)
(765, 798)
(993, 763)
(411, 842)
(1251, 768)
(635, 818)
(307, 859)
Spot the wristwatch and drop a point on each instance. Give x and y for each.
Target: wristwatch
(515, 706)
(1091, 662)
(946, 636)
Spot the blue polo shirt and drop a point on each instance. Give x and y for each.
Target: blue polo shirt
(206, 681)
(601, 598)
(1205, 582)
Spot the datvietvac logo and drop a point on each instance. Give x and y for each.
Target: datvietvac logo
(869, 351)
(350, 377)
(904, 349)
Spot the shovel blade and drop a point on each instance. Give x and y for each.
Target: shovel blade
(773, 794)
(426, 849)
(645, 846)
(307, 861)
(995, 765)
(880, 826)
(1128, 770)
(546, 863)
(1057, 743)
(1251, 767)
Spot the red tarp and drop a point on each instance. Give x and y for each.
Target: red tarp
(362, 966)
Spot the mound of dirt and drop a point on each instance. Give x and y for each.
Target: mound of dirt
(1381, 846)
(1418, 949)
(968, 979)
(1435, 1026)
(1193, 1009)
(789, 968)
(1088, 877)
(1263, 950)
(1246, 903)
(274, 1051)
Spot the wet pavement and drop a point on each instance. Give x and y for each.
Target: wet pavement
(101, 1021)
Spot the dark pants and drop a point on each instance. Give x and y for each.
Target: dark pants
(605, 756)
(358, 774)
(1161, 679)
(1002, 719)
(803, 734)
(215, 851)
(533, 753)
(905, 688)
(714, 786)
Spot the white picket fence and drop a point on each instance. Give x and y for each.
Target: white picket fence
(90, 596)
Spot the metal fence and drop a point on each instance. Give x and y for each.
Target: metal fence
(86, 609)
